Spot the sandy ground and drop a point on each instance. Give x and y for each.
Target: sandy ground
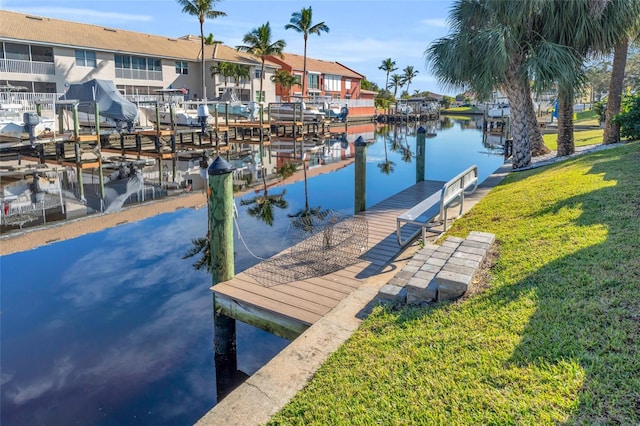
(30, 238)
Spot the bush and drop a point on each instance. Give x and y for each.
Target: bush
(629, 117)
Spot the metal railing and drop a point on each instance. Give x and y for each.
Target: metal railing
(138, 74)
(27, 67)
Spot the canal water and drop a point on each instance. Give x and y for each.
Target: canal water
(115, 327)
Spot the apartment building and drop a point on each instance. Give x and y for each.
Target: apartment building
(45, 55)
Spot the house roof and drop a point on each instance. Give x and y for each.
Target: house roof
(296, 62)
(48, 31)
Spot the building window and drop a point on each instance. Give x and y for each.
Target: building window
(332, 83)
(314, 81)
(138, 67)
(347, 84)
(298, 78)
(41, 54)
(182, 67)
(85, 58)
(258, 97)
(16, 51)
(258, 73)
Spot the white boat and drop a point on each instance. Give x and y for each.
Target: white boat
(181, 115)
(502, 110)
(13, 127)
(286, 112)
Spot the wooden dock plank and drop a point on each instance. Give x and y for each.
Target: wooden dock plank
(308, 300)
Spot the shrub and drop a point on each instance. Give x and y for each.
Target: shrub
(629, 117)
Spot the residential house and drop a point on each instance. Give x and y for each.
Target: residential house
(325, 79)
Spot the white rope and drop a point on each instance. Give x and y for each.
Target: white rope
(235, 220)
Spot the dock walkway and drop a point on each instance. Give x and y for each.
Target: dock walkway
(289, 309)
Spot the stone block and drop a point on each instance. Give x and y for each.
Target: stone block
(419, 291)
(476, 244)
(392, 293)
(429, 246)
(441, 255)
(467, 256)
(424, 275)
(459, 269)
(421, 257)
(416, 262)
(435, 261)
(404, 275)
(471, 250)
(450, 244)
(463, 262)
(484, 237)
(400, 282)
(428, 267)
(447, 250)
(451, 285)
(410, 268)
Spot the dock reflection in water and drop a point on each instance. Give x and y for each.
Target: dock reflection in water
(115, 328)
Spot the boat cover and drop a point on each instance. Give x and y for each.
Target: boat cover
(110, 101)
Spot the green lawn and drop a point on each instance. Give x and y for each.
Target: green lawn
(580, 138)
(555, 338)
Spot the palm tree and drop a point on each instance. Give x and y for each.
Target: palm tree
(614, 100)
(397, 81)
(209, 40)
(225, 69)
(388, 66)
(262, 206)
(258, 43)
(202, 9)
(497, 44)
(200, 245)
(285, 79)
(409, 75)
(240, 72)
(387, 166)
(302, 22)
(616, 84)
(605, 24)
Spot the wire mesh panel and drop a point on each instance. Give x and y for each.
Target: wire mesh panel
(321, 243)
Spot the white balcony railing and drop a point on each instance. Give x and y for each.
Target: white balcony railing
(138, 74)
(27, 67)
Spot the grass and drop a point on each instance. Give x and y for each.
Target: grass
(460, 110)
(580, 138)
(555, 337)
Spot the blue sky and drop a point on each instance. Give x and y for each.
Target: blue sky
(362, 33)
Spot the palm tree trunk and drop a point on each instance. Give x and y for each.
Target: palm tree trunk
(565, 122)
(535, 136)
(517, 94)
(614, 102)
(204, 87)
(304, 68)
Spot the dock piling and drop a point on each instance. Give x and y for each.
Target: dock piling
(360, 172)
(420, 153)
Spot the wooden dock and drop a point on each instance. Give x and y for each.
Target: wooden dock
(288, 309)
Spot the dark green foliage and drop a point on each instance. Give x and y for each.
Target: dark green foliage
(629, 118)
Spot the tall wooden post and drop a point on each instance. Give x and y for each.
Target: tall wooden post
(100, 172)
(420, 153)
(61, 119)
(220, 206)
(360, 203)
(76, 137)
